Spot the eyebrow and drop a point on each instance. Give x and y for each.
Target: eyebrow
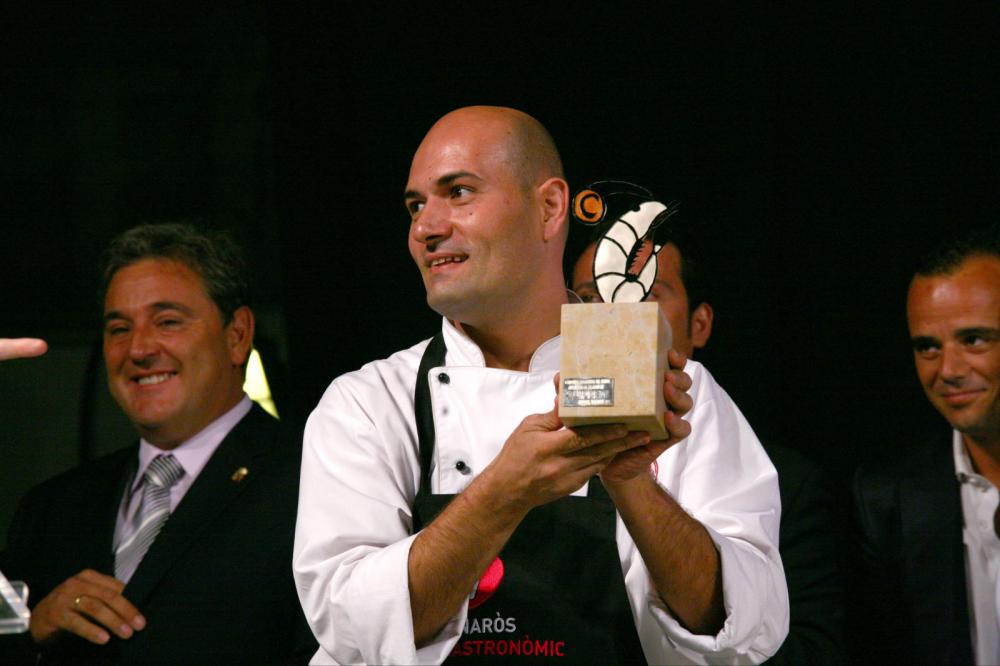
(443, 181)
(922, 340)
(979, 331)
(666, 285)
(158, 306)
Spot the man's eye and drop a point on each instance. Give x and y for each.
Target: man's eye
(589, 297)
(169, 322)
(925, 349)
(414, 207)
(113, 331)
(458, 191)
(973, 341)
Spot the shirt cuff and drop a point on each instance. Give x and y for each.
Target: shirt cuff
(753, 625)
(379, 600)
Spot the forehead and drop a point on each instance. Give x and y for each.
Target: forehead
(668, 264)
(482, 148)
(155, 280)
(969, 296)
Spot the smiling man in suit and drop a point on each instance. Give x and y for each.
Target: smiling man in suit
(178, 549)
(928, 523)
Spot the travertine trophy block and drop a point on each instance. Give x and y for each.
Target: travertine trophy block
(612, 360)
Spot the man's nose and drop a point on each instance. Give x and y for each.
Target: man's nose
(434, 223)
(142, 343)
(954, 367)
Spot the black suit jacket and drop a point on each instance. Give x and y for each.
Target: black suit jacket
(216, 585)
(810, 537)
(910, 602)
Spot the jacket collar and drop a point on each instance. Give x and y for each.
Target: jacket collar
(219, 485)
(462, 351)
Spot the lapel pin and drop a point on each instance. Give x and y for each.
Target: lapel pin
(240, 474)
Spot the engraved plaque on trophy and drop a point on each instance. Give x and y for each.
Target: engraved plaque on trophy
(613, 355)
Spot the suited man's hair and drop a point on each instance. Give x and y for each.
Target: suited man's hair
(213, 255)
(952, 253)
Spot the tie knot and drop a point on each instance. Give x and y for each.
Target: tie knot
(163, 471)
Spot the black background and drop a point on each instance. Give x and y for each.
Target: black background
(820, 148)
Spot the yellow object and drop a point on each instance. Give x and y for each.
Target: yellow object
(255, 385)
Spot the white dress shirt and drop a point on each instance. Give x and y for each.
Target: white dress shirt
(361, 471)
(982, 556)
(192, 455)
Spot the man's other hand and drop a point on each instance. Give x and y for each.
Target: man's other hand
(676, 383)
(89, 604)
(542, 461)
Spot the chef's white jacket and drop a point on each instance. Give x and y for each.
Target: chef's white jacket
(361, 472)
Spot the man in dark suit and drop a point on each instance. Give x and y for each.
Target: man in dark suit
(927, 520)
(177, 550)
(810, 529)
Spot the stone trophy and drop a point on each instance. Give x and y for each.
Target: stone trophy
(613, 354)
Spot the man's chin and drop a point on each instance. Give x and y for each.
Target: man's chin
(160, 436)
(447, 305)
(149, 424)
(979, 429)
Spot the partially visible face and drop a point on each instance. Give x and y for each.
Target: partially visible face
(668, 290)
(472, 221)
(171, 364)
(955, 330)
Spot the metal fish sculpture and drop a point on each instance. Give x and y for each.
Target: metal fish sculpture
(625, 259)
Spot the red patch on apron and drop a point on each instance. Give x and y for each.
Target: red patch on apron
(488, 584)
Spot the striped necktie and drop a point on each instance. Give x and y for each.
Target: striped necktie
(161, 474)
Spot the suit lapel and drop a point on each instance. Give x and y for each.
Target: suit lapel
(933, 556)
(212, 493)
(98, 515)
(125, 475)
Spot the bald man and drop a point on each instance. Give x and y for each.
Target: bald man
(444, 509)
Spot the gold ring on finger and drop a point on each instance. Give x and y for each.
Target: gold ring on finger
(76, 602)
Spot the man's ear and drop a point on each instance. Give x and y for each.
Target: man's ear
(553, 195)
(239, 335)
(701, 325)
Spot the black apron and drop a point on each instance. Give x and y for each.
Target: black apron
(556, 591)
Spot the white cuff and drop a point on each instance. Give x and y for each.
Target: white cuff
(755, 624)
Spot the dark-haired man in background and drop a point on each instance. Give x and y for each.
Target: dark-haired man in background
(176, 549)
(809, 529)
(928, 545)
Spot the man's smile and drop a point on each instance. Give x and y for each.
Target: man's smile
(447, 260)
(153, 379)
(960, 398)
(436, 259)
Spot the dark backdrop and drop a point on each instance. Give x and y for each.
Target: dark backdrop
(820, 148)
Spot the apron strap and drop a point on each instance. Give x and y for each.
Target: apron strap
(434, 357)
(596, 489)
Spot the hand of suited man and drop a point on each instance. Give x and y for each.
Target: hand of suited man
(89, 604)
